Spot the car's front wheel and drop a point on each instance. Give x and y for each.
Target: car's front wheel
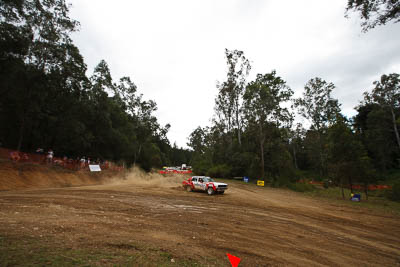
(188, 188)
(210, 191)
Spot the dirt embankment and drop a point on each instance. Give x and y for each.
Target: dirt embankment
(14, 176)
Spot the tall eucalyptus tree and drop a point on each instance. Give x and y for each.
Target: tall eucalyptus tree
(263, 107)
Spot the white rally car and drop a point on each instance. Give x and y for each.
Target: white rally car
(204, 183)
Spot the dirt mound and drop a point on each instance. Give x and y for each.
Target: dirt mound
(28, 175)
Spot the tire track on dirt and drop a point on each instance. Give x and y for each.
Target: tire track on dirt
(262, 226)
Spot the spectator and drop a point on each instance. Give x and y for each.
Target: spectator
(65, 161)
(25, 157)
(82, 162)
(50, 155)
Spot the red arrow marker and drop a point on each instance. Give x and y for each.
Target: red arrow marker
(233, 259)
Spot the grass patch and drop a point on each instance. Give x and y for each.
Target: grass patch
(377, 200)
(300, 187)
(30, 251)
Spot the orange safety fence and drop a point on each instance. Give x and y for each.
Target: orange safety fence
(371, 187)
(311, 182)
(65, 162)
(176, 171)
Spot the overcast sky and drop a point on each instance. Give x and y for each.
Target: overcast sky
(174, 50)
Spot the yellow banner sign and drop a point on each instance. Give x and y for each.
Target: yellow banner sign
(260, 183)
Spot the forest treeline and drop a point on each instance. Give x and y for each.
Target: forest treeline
(47, 101)
(254, 131)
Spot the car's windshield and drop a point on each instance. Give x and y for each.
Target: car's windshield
(208, 179)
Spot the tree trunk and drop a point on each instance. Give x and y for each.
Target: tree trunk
(295, 158)
(320, 148)
(262, 158)
(366, 190)
(21, 132)
(341, 185)
(238, 124)
(137, 154)
(351, 185)
(239, 137)
(262, 141)
(395, 127)
(25, 111)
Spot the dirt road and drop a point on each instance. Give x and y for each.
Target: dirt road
(262, 226)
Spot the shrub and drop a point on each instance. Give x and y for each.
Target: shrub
(300, 187)
(201, 164)
(395, 195)
(281, 182)
(326, 183)
(220, 171)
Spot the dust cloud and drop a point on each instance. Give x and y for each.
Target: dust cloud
(138, 177)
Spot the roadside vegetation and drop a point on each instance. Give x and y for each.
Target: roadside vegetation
(48, 101)
(378, 201)
(253, 133)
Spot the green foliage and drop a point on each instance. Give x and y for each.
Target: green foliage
(179, 156)
(379, 139)
(265, 113)
(387, 94)
(228, 101)
(391, 176)
(317, 105)
(47, 101)
(321, 110)
(349, 162)
(151, 157)
(244, 164)
(220, 171)
(395, 194)
(376, 122)
(301, 187)
(197, 140)
(334, 149)
(375, 13)
(201, 166)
